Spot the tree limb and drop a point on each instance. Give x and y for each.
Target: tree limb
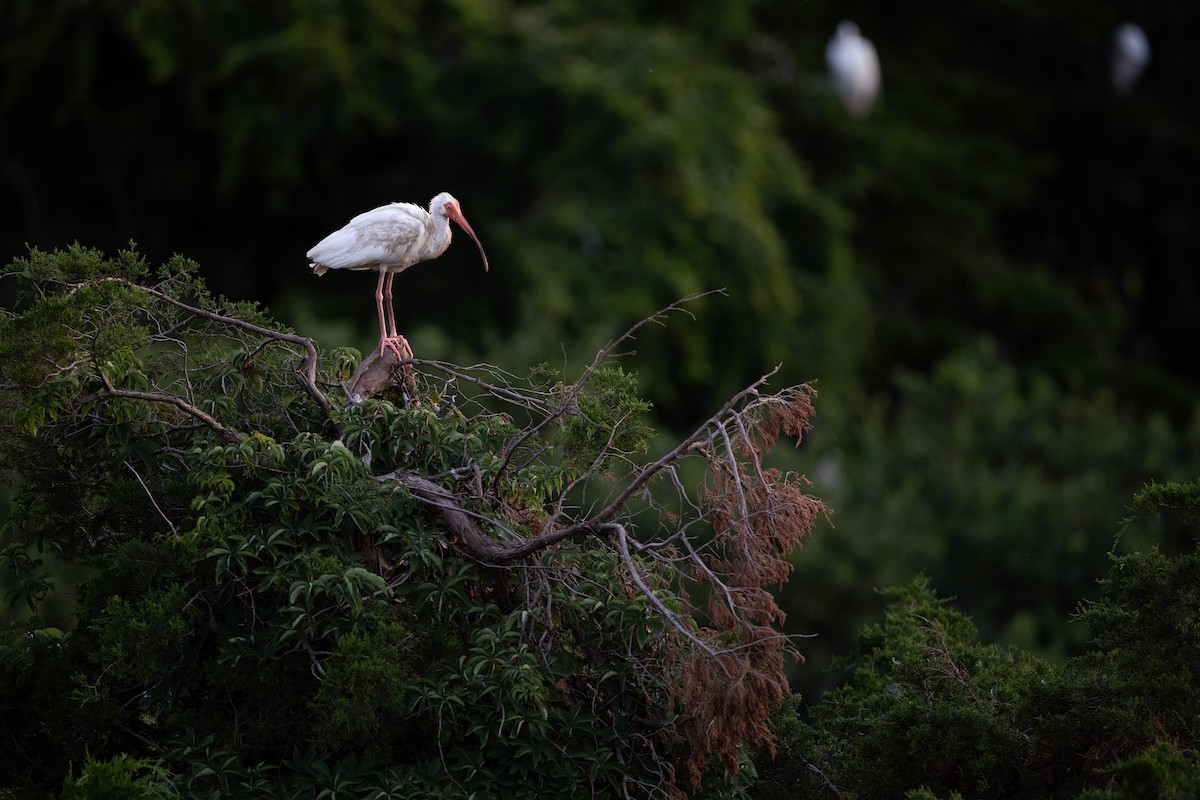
(309, 377)
(635, 485)
(475, 541)
(229, 434)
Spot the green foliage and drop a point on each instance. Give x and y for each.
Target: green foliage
(925, 794)
(1171, 495)
(267, 609)
(927, 706)
(931, 711)
(363, 695)
(119, 778)
(1161, 772)
(996, 483)
(31, 580)
(1146, 649)
(611, 420)
(136, 645)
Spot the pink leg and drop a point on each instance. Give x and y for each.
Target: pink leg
(383, 332)
(391, 310)
(384, 339)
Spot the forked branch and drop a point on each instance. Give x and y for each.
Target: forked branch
(308, 378)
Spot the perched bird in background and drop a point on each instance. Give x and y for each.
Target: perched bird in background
(1130, 55)
(391, 239)
(853, 69)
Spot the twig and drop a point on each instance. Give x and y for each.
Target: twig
(152, 500)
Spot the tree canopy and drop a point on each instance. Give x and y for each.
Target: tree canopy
(480, 585)
(930, 711)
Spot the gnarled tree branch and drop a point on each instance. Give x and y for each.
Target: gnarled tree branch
(477, 544)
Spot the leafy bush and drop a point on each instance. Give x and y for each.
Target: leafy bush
(929, 711)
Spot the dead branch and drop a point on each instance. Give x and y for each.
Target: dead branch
(379, 371)
(643, 477)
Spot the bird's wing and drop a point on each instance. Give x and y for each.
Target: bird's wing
(379, 237)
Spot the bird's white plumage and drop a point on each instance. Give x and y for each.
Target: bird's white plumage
(392, 237)
(1130, 55)
(853, 69)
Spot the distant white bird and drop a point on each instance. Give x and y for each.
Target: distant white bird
(1130, 55)
(391, 239)
(853, 69)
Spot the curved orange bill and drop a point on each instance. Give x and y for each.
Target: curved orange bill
(453, 212)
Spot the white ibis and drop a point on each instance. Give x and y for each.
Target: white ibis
(1130, 55)
(853, 69)
(391, 239)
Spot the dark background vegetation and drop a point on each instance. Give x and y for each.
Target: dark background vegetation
(991, 279)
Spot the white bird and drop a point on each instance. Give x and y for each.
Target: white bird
(853, 69)
(391, 239)
(1130, 55)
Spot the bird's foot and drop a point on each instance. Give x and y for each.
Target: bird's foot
(399, 346)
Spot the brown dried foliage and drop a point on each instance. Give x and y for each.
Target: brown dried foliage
(758, 515)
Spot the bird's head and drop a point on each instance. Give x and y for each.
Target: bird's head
(444, 205)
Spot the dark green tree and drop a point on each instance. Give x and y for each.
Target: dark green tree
(994, 482)
(458, 582)
(930, 711)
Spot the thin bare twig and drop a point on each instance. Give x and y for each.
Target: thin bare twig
(152, 500)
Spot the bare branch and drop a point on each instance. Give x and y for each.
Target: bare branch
(670, 617)
(109, 390)
(699, 435)
(479, 546)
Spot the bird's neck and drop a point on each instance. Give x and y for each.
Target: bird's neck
(440, 238)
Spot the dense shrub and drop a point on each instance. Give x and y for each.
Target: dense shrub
(932, 711)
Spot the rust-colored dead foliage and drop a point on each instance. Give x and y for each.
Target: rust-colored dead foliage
(758, 515)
